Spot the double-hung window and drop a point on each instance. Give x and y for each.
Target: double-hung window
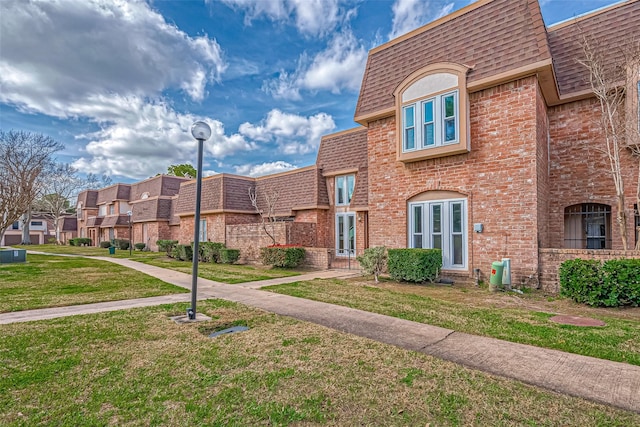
(432, 122)
(440, 224)
(344, 189)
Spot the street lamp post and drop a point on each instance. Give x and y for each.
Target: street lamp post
(200, 131)
(129, 213)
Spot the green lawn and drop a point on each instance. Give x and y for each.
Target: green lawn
(139, 368)
(52, 281)
(224, 273)
(619, 340)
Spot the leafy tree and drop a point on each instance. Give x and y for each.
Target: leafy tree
(185, 170)
(25, 158)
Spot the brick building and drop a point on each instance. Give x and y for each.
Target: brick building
(103, 215)
(479, 135)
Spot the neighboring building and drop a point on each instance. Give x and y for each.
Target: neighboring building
(39, 232)
(480, 136)
(103, 215)
(68, 228)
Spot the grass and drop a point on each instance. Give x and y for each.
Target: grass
(477, 313)
(137, 367)
(53, 281)
(224, 273)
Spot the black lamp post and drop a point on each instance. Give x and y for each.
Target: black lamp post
(200, 131)
(129, 213)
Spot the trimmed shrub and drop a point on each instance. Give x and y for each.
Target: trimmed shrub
(183, 252)
(106, 244)
(373, 261)
(414, 265)
(282, 256)
(167, 246)
(210, 251)
(121, 244)
(229, 256)
(139, 246)
(580, 281)
(81, 241)
(612, 284)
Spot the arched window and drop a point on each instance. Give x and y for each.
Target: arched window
(587, 226)
(438, 219)
(432, 113)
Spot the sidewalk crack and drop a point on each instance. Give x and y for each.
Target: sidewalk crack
(438, 342)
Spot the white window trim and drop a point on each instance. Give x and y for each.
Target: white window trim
(203, 230)
(438, 121)
(447, 234)
(348, 195)
(346, 215)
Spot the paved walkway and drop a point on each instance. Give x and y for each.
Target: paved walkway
(612, 383)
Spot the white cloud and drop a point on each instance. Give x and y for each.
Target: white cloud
(411, 14)
(337, 68)
(142, 138)
(264, 168)
(108, 62)
(294, 134)
(58, 52)
(311, 17)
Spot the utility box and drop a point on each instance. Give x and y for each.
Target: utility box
(8, 256)
(495, 280)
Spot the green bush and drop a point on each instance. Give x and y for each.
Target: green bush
(139, 246)
(229, 256)
(82, 241)
(414, 265)
(210, 251)
(580, 280)
(167, 246)
(612, 284)
(105, 244)
(122, 244)
(183, 252)
(282, 256)
(373, 261)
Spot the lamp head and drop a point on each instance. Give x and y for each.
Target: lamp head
(200, 131)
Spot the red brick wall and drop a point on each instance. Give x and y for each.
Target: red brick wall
(579, 171)
(542, 169)
(550, 260)
(498, 177)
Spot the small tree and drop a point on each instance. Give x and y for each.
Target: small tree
(269, 216)
(25, 158)
(374, 261)
(184, 170)
(611, 82)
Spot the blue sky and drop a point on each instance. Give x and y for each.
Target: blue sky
(120, 82)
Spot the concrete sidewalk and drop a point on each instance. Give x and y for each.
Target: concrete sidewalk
(612, 383)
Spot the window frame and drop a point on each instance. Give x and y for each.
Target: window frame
(446, 232)
(438, 121)
(342, 188)
(434, 82)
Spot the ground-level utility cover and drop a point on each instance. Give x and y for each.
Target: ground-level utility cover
(231, 330)
(577, 321)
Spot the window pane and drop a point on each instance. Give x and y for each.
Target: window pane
(449, 106)
(437, 241)
(450, 130)
(350, 186)
(436, 218)
(457, 249)
(409, 139)
(428, 112)
(456, 217)
(429, 134)
(417, 241)
(408, 117)
(417, 219)
(352, 232)
(341, 233)
(340, 190)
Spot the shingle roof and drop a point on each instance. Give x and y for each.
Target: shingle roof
(490, 36)
(88, 198)
(296, 189)
(607, 29)
(114, 192)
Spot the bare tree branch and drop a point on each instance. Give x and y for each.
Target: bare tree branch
(268, 217)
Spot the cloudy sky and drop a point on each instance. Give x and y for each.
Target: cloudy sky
(120, 82)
